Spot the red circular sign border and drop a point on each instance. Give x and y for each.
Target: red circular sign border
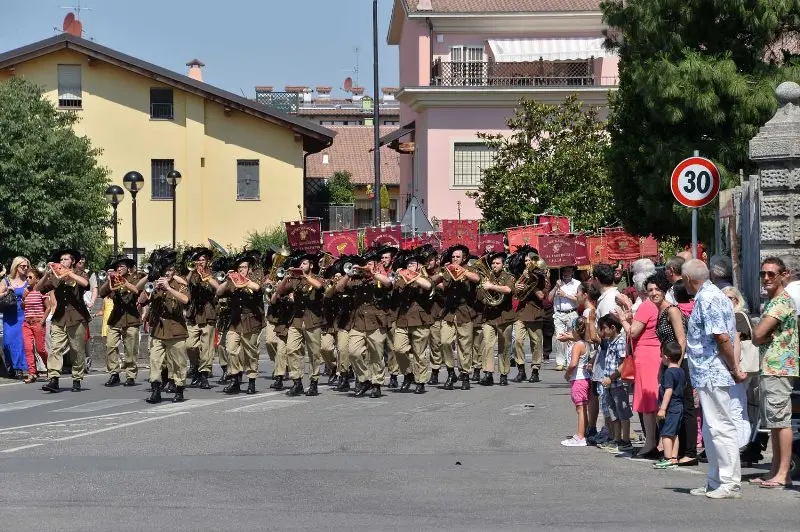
(710, 166)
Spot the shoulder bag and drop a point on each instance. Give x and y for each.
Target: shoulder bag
(749, 358)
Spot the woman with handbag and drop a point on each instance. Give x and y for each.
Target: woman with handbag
(14, 317)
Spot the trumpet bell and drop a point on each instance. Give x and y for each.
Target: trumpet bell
(220, 277)
(191, 265)
(102, 276)
(149, 287)
(348, 268)
(280, 274)
(41, 267)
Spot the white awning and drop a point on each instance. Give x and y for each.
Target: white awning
(519, 50)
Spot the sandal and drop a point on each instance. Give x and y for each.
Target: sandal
(757, 481)
(774, 485)
(30, 380)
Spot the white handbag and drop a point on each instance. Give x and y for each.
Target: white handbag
(750, 357)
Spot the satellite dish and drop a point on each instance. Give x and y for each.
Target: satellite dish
(68, 21)
(348, 84)
(72, 25)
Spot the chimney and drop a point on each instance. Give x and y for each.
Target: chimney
(294, 88)
(307, 92)
(387, 93)
(424, 5)
(196, 69)
(357, 93)
(324, 92)
(264, 88)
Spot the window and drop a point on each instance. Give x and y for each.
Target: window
(247, 179)
(161, 107)
(469, 161)
(467, 66)
(159, 169)
(391, 122)
(69, 86)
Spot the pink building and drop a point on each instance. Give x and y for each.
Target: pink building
(464, 65)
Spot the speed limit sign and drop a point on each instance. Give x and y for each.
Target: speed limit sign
(695, 182)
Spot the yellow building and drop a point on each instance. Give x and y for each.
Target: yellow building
(242, 163)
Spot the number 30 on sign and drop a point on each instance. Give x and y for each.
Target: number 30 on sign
(695, 182)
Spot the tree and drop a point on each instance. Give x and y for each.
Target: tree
(51, 185)
(553, 162)
(384, 197)
(694, 75)
(340, 189)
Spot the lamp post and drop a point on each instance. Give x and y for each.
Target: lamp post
(133, 182)
(114, 195)
(173, 178)
(376, 114)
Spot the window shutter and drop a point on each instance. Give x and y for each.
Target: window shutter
(69, 82)
(247, 185)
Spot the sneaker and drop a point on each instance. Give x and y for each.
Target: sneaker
(724, 493)
(624, 446)
(699, 492)
(574, 442)
(665, 464)
(559, 367)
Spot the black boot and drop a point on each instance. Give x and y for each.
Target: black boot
(113, 380)
(51, 385)
(408, 380)
(362, 388)
(376, 391)
(235, 385)
(476, 375)
(178, 395)
(420, 388)
(224, 378)
(332, 379)
(296, 389)
(503, 380)
(204, 385)
(521, 375)
(434, 377)
(392, 381)
(191, 372)
(195, 382)
(164, 374)
(76, 386)
(251, 386)
(488, 379)
(277, 382)
(451, 379)
(312, 389)
(170, 387)
(155, 394)
(129, 382)
(534, 375)
(344, 383)
(465, 381)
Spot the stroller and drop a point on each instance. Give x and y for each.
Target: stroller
(753, 453)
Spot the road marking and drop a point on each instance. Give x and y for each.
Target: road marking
(120, 426)
(22, 405)
(65, 421)
(21, 447)
(274, 404)
(99, 405)
(180, 407)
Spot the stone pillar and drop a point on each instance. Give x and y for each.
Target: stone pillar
(776, 151)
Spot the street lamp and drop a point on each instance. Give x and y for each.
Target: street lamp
(173, 178)
(133, 182)
(114, 196)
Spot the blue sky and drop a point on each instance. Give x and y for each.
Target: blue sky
(243, 43)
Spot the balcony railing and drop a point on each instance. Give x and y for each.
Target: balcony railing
(161, 111)
(527, 74)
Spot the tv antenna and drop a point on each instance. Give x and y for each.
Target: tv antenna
(354, 70)
(72, 23)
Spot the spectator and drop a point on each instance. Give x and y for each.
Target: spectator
(776, 334)
(714, 370)
(691, 429)
(670, 400)
(615, 396)
(36, 306)
(578, 377)
(721, 271)
(604, 282)
(565, 306)
(642, 269)
(673, 270)
(14, 317)
(740, 391)
(620, 279)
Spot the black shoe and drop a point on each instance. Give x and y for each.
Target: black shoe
(155, 394)
(465, 381)
(344, 384)
(277, 382)
(204, 385)
(195, 380)
(362, 388)
(534, 376)
(503, 380)
(434, 377)
(521, 375)
(178, 395)
(51, 385)
(513, 363)
(76, 386)
(451, 379)
(224, 378)
(312, 389)
(251, 386)
(235, 385)
(376, 391)
(164, 374)
(487, 380)
(333, 379)
(192, 371)
(408, 380)
(392, 381)
(170, 387)
(129, 382)
(113, 380)
(296, 389)
(419, 389)
(476, 375)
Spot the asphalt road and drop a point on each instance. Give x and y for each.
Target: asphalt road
(484, 459)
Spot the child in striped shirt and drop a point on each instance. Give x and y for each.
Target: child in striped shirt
(36, 306)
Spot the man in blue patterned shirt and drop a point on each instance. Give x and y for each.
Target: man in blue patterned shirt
(713, 369)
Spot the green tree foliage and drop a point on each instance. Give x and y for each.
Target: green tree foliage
(553, 162)
(51, 185)
(340, 189)
(694, 75)
(384, 197)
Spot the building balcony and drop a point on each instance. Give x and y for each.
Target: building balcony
(524, 74)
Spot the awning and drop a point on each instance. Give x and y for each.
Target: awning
(520, 50)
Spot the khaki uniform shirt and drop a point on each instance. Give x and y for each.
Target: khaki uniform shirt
(201, 307)
(307, 304)
(246, 309)
(413, 305)
(125, 312)
(503, 314)
(531, 309)
(167, 321)
(368, 313)
(458, 298)
(70, 307)
(280, 316)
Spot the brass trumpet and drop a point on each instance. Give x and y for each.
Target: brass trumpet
(191, 266)
(491, 299)
(220, 277)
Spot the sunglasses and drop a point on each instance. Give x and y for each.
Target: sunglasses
(768, 274)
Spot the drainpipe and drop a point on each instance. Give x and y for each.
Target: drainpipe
(430, 49)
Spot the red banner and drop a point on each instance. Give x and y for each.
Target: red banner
(557, 250)
(491, 242)
(581, 250)
(520, 236)
(339, 243)
(460, 232)
(434, 239)
(557, 224)
(383, 236)
(649, 246)
(304, 236)
(597, 250)
(622, 246)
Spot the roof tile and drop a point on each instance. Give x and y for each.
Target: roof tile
(505, 6)
(350, 153)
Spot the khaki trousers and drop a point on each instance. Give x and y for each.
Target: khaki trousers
(297, 339)
(477, 347)
(501, 336)
(366, 355)
(222, 353)
(533, 332)
(242, 353)
(392, 364)
(327, 344)
(343, 352)
(460, 333)
(413, 340)
(173, 352)
(276, 349)
(129, 336)
(70, 340)
(436, 345)
(200, 347)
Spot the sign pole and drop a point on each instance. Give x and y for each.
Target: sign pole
(695, 183)
(694, 222)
